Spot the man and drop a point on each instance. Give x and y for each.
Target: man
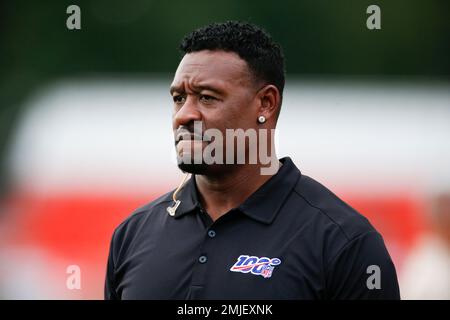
(235, 230)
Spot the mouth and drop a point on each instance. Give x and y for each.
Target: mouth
(187, 136)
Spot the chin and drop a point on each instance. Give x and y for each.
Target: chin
(201, 168)
(206, 169)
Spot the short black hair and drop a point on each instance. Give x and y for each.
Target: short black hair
(254, 45)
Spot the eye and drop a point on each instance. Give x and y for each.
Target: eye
(179, 99)
(206, 98)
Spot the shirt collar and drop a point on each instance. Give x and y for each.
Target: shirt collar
(263, 205)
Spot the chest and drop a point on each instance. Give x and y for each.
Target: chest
(219, 263)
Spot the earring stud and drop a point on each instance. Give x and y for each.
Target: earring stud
(261, 119)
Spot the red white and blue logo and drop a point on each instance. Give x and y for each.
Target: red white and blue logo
(258, 266)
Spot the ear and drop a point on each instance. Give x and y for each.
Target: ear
(270, 100)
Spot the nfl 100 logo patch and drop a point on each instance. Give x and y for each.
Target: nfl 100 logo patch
(258, 266)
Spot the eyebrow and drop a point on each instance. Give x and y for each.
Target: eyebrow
(197, 88)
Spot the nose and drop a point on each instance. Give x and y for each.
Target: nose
(187, 114)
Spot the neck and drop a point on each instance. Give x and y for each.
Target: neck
(221, 193)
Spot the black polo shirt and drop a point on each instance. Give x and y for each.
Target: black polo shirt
(291, 239)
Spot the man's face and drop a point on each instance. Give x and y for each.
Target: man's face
(216, 88)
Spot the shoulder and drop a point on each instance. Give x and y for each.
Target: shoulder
(333, 224)
(332, 210)
(351, 244)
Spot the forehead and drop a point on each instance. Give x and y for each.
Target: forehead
(219, 67)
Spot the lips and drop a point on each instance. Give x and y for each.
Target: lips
(186, 135)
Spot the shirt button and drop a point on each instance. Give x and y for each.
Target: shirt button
(202, 259)
(211, 233)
